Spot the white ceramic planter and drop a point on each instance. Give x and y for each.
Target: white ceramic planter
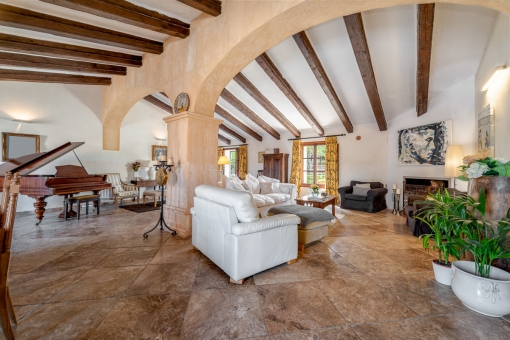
(489, 296)
(443, 274)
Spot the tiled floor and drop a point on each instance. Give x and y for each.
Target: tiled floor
(98, 278)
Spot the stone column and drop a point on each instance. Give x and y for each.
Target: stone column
(193, 145)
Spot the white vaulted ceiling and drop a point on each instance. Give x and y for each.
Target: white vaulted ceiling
(459, 38)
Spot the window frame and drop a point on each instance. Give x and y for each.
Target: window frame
(315, 144)
(225, 150)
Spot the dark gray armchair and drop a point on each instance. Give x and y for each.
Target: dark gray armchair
(374, 201)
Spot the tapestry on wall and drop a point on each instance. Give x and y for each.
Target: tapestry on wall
(424, 144)
(486, 140)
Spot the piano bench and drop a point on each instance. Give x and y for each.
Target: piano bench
(82, 199)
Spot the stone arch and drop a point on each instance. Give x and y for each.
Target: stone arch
(298, 18)
(112, 120)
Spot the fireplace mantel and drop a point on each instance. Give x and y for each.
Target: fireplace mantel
(417, 185)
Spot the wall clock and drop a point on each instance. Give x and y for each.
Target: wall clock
(161, 176)
(181, 103)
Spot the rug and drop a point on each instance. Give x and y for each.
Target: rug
(141, 208)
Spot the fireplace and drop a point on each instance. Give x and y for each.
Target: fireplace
(418, 185)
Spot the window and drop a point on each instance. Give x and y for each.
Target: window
(314, 164)
(231, 170)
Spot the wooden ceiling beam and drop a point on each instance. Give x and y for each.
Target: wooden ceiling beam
(231, 132)
(272, 71)
(224, 139)
(266, 104)
(127, 13)
(158, 103)
(236, 122)
(245, 110)
(25, 19)
(43, 77)
(12, 43)
(24, 60)
(354, 24)
(425, 29)
(318, 70)
(211, 7)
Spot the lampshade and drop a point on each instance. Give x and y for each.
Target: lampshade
(453, 161)
(223, 160)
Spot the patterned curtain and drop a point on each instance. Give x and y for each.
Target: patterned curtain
(332, 166)
(220, 153)
(243, 162)
(296, 167)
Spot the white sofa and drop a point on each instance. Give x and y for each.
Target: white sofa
(227, 229)
(285, 194)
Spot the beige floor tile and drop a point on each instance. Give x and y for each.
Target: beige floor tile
(210, 276)
(224, 314)
(335, 333)
(297, 306)
(409, 329)
(176, 252)
(125, 257)
(283, 273)
(84, 259)
(327, 265)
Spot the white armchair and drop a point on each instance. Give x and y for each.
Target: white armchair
(121, 190)
(227, 229)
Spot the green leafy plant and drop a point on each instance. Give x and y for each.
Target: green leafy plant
(477, 165)
(438, 212)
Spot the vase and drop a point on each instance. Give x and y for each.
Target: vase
(152, 173)
(135, 174)
(497, 190)
(489, 296)
(443, 274)
(315, 192)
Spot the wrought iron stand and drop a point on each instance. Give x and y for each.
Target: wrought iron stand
(161, 221)
(396, 203)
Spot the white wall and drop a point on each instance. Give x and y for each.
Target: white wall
(63, 113)
(497, 54)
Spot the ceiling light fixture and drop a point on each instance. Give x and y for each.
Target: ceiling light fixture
(495, 75)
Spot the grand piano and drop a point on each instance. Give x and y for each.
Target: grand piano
(67, 181)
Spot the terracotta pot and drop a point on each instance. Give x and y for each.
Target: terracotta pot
(497, 190)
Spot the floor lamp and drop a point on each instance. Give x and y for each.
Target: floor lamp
(223, 160)
(453, 161)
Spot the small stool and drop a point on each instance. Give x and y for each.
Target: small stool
(156, 194)
(79, 199)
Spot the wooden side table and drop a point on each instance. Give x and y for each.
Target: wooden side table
(318, 203)
(140, 183)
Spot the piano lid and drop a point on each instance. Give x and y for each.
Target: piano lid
(27, 164)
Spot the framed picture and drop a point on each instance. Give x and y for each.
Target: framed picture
(15, 145)
(424, 145)
(261, 157)
(485, 131)
(158, 151)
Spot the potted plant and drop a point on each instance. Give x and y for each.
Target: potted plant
(479, 285)
(315, 189)
(136, 166)
(437, 212)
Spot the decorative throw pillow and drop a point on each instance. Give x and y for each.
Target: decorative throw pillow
(356, 190)
(252, 183)
(269, 179)
(266, 188)
(228, 183)
(238, 184)
(363, 185)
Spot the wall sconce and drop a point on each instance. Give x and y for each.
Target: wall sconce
(495, 75)
(453, 161)
(161, 140)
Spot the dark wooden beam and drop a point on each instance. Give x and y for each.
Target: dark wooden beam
(236, 122)
(266, 104)
(24, 60)
(318, 70)
(12, 43)
(25, 19)
(156, 102)
(231, 132)
(127, 13)
(272, 71)
(43, 77)
(354, 24)
(211, 7)
(425, 28)
(224, 139)
(245, 110)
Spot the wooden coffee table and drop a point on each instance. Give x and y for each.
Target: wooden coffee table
(319, 203)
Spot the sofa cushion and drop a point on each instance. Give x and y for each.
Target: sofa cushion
(355, 197)
(252, 183)
(279, 197)
(238, 184)
(268, 179)
(361, 191)
(363, 185)
(262, 200)
(266, 188)
(373, 185)
(242, 202)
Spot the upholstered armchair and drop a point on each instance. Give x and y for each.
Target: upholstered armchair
(373, 201)
(120, 189)
(226, 228)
